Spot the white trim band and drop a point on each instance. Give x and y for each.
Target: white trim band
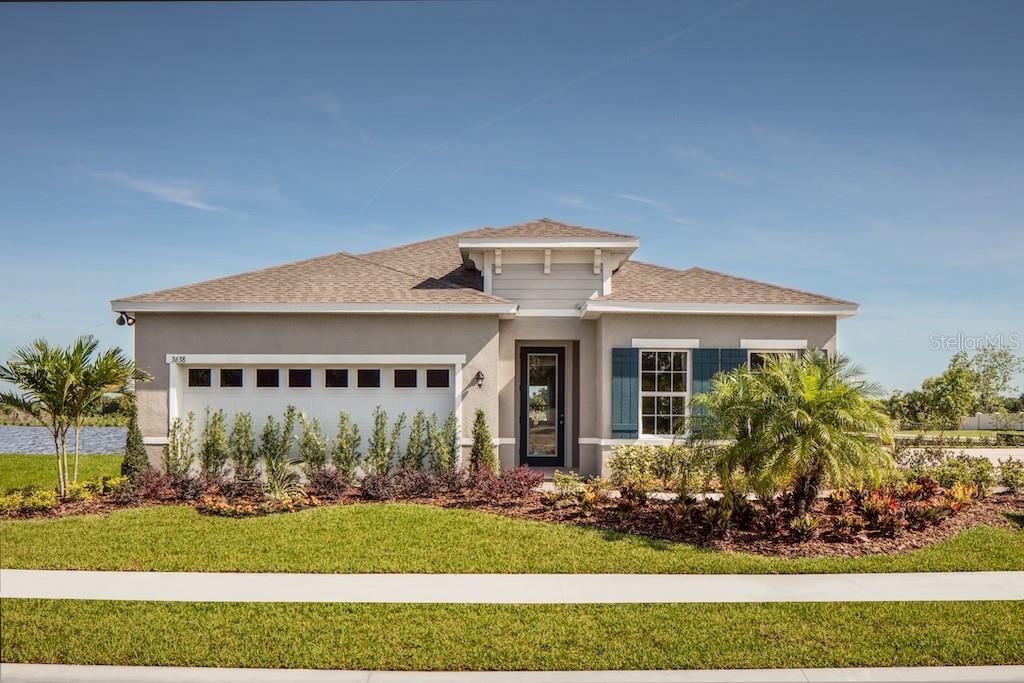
(773, 344)
(315, 359)
(666, 343)
(379, 308)
(155, 440)
(594, 308)
(533, 243)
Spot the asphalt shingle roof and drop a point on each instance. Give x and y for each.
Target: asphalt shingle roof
(432, 272)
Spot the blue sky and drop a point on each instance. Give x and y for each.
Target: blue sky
(871, 151)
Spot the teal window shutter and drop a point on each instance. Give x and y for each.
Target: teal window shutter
(732, 359)
(705, 366)
(625, 393)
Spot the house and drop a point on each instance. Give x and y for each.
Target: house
(567, 344)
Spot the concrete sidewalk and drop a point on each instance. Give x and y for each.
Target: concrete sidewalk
(510, 588)
(52, 673)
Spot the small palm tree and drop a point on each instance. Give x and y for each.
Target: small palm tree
(110, 373)
(41, 372)
(60, 386)
(796, 422)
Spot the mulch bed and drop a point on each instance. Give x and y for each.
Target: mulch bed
(990, 511)
(646, 521)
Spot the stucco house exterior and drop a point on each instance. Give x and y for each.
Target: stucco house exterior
(568, 345)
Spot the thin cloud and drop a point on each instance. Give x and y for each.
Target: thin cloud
(574, 201)
(180, 193)
(664, 208)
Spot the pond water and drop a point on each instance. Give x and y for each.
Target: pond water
(18, 439)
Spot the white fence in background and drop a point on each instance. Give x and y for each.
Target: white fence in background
(985, 421)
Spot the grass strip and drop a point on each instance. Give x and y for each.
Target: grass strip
(18, 470)
(511, 637)
(407, 538)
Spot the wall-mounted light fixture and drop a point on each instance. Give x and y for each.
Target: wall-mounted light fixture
(125, 319)
(479, 378)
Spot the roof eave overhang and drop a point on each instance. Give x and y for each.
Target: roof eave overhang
(594, 309)
(497, 308)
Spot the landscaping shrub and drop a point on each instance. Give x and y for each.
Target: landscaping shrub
(382, 444)
(963, 469)
(249, 509)
(1011, 474)
(675, 516)
(633, 463)
(418, 444)
(329, 483)
(483, 483)
(718, 516)
(920, 515)
(126, 492)
(403, 483)
(840, 501)
(803, 528)
(444, 444)
(1009, 439)
(77, 492)
(136, 460)
(10, 503)
(187, 487)
(482, 455)
(849, 525)
(213, 445)
(153, 484)
(39, 501)
(179, 451)
(744, 514)
(519, 482)
(242, 448)
(345, 450)
(567, 484)
(588, 497)
(312, 446)
(280, 479)
(961, 496)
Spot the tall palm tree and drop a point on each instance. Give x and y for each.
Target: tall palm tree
(43, 374)
(797, 422)
(110, 373)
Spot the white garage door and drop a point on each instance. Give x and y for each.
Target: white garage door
(320, 391)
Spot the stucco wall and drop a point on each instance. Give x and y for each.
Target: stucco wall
(159, 334)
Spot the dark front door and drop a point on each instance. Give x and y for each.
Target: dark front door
(542, 406)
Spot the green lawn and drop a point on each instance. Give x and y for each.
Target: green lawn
(17, 469)
(401, 537)
(516, 637)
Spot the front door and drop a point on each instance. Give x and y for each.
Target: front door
(542, 406)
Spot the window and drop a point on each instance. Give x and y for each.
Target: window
(267, 377)
(301, 378)
(334, 378)
(231, 377)
(438, 379)
(369, 378)
(758, 359)
(199, 377)
(664, 389)
(405, 379)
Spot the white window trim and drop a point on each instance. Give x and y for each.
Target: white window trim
(773, 344)
(640, 395)
(666, 344)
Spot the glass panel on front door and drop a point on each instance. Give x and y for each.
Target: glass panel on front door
(542, 405)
